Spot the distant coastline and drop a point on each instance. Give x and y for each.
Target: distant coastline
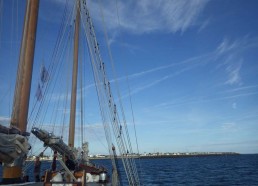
(174, 155)
(150, 155)
(188, 155)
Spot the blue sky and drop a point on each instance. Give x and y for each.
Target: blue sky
(192, 68)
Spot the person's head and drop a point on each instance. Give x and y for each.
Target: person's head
(37, 158)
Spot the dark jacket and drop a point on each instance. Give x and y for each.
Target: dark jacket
(70, 164)
(37, 167)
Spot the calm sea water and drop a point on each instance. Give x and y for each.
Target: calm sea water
(213, 170)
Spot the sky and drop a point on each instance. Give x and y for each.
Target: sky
(191, 68)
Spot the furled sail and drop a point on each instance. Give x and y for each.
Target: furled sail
(54, 142)
(12, 146)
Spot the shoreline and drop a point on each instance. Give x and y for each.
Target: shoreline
(155, 156)
(170, 156)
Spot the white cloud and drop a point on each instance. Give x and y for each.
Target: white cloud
(244, 88)
(146, 16)
(227, 46)
(192, 100)
(230, 55)
(234, 73)
(164, 78)
(227, 53)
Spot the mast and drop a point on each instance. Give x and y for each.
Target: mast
(24, 74)
(12, 173)
(74, 80)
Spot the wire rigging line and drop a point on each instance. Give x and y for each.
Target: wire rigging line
(106, 102)
(120, 101)
(87, 33)
(81, 94)
(127, 80)
(54, 59)
(87, 123)
(68, 77)
(110, 113)
(55, 64)
(130, 97)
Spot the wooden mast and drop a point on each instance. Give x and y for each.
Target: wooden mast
(23, 81)
(13, 173)
(74, 80)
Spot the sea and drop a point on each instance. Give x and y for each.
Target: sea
(209, 170)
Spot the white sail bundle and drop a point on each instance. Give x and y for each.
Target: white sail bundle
(12, 146)
(54, 142)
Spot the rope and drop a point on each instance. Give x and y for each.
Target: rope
(59, 51)
(81, 91)
(106, 100)
(120, 101)
(100, 100)
(28, 165)
(68, 77)
(87, 33)
(108, 109)
(130, 97)
(51, 69)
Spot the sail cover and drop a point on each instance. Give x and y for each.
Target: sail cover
(12, 146)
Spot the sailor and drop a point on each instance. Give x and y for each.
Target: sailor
(37, 166)
(69, 163)
(54, 161)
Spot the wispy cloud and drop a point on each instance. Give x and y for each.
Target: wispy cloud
(226, 54)
(145, 16)
(237, 45)
(226, 46)
(190, 61)
(141, 88)
(233, 71)
(243, 88)
(195, 100)
(237, 95)
(229, 55)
